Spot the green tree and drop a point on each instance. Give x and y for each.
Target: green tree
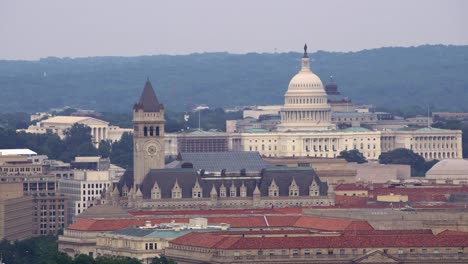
(405, 156)
(163, 260)
(352, 156)
(78, 143)
(83, 259)
(122, 151)
(105, 148)
(116, 260)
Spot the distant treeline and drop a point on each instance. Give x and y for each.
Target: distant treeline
(406, 79)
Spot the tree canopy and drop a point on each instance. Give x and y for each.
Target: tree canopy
(376, 76)
(44, 250)
(419, 166)
(352, 156)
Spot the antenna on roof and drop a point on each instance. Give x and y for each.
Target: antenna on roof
(428, 125)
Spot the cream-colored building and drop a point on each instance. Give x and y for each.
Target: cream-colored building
(431, 143)
(148, 241)
(100, 130)
(262, 110)
(306, 129)
(84, 189)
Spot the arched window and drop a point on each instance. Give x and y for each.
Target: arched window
(157, 131)
(151, 131)
(145, 131)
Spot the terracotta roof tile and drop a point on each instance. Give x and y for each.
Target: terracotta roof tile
(325, 241)
(330, 224)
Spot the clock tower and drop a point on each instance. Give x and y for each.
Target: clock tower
(148, 134)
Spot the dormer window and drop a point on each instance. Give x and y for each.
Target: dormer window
(222, 191)
(197, 190)
(233, 190)
(314, 189)
(176, 191)
(293, 188)
(273, 190)
(243, 190)
(155, 191)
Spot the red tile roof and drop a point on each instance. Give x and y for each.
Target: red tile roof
(329, 224)
(452, 233)
(350, 200)
(420, 194)
(309, 222)
(214, 240)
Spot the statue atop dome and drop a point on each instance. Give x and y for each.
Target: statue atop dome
(305, 51)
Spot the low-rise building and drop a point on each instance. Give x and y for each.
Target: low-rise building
(147, 242)
(100, 130)
(375, 246)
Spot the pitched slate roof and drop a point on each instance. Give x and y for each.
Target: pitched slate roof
(186, 178)
(284, 176)
(148, 100)
(231, 161)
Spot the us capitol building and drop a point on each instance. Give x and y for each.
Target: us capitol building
(306, 130)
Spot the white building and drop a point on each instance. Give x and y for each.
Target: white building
(100, 130)
(306, 130)
(86, 185)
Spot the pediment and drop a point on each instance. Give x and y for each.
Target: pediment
(93, 121)
(376, 256)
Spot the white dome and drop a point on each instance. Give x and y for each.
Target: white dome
(305, 102)
(306, 80)
(449, 169)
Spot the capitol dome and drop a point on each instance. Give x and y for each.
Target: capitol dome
(455, 170)
(306, 79)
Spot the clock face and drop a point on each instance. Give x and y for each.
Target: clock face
(152, 149)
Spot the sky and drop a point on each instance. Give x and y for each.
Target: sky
(34, 29)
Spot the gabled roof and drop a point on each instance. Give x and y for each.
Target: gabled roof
(148, 100)
(70, 120)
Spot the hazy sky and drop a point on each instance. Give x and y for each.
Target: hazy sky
(40, 28)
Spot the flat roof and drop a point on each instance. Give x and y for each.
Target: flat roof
(12, 152)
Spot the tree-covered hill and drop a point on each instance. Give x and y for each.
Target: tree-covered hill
(393, 78)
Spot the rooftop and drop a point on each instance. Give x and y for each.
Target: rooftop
(14, 152)
(383, 239)
(257, 221)
(230, 161)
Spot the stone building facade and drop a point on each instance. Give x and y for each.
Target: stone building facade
(150, 185)
(16, 212)
(100, 130)
(189, 188)
(148, 136)
(50, 206)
